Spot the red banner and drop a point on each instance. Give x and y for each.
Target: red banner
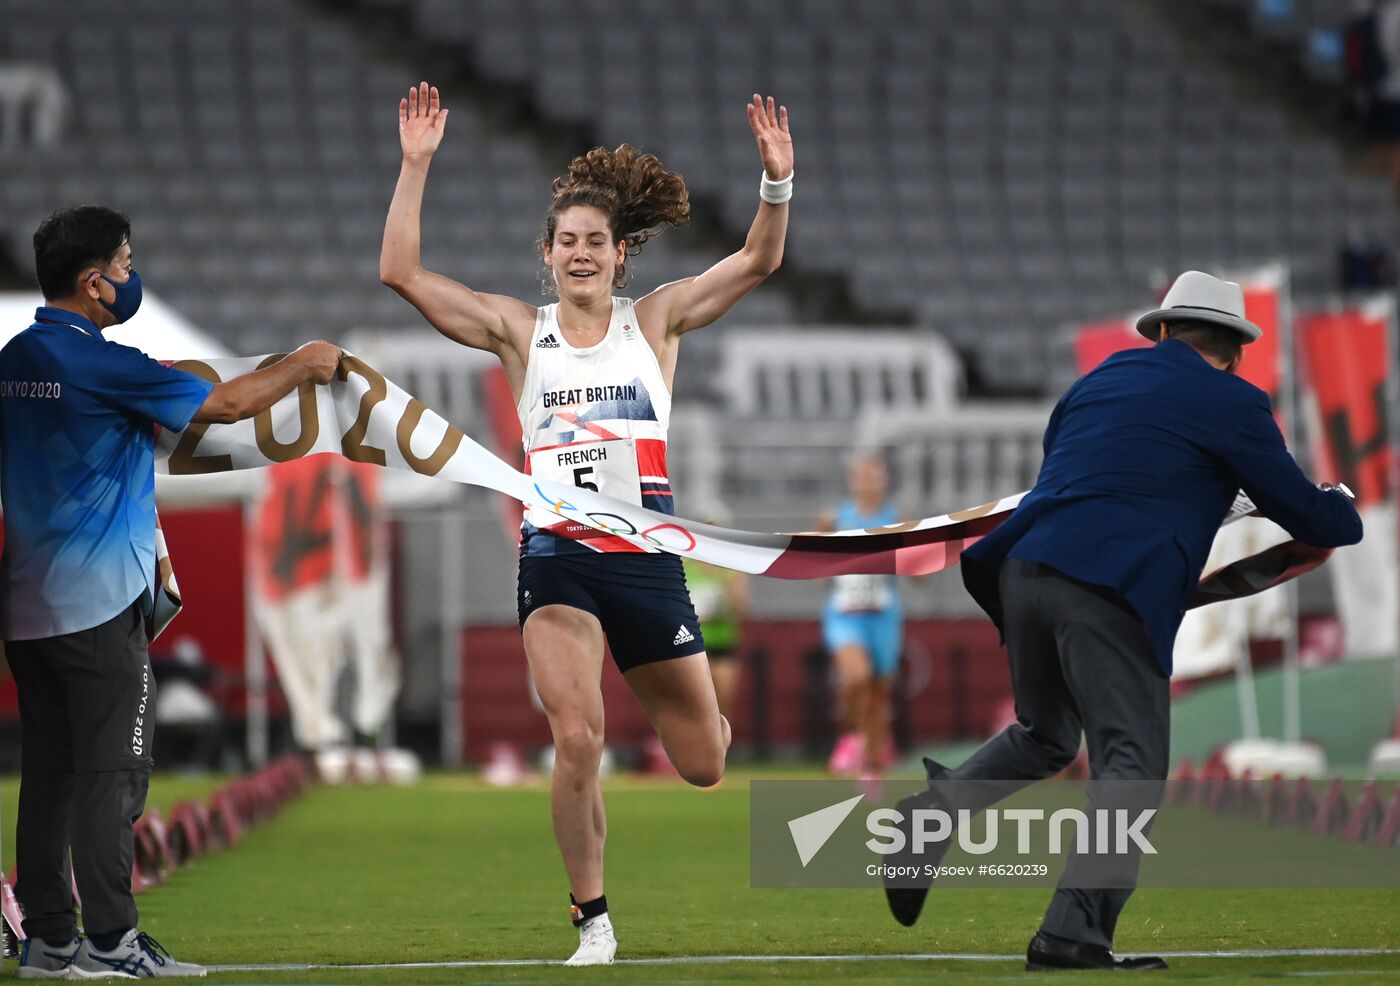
(1095, 343)
(1347, 355)
(296, 524)
(1262, 365)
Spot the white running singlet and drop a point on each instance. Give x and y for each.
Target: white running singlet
(594, 418)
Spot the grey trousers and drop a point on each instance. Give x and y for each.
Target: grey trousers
(1081, 663)
(87, 705)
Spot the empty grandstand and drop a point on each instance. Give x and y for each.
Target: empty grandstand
(989, 170)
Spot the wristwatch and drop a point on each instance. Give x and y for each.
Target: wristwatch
(1339, 488)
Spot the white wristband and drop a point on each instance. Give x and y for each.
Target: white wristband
(775, 192)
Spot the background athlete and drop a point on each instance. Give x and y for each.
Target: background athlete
(592, 378)
(863, 628)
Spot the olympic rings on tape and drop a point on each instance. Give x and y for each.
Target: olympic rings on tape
(558, 506)
(647, 535)
(600, 521)
(629, 531)
(675, 527)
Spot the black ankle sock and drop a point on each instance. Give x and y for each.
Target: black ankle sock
(588, 910)
(58, 942)
(107, 942)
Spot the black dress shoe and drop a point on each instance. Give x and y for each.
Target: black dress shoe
(1143, 962)
(907, 900)
(1049, 952)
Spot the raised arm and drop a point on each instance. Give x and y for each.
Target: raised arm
(697, 301)
(472, 318)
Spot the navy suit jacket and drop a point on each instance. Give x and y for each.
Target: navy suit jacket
(1143, 458)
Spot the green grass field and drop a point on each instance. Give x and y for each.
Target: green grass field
(450, 870)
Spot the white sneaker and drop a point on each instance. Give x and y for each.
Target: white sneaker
(137, 956)
(597, 945)
(40, 960)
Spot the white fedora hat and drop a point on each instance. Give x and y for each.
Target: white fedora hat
(1198, 297)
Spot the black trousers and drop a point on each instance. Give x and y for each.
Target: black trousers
(87, 708)
(1081, 663)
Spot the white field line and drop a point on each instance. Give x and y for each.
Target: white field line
(1248, 953)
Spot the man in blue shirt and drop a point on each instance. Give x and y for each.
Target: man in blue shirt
(1089, 578)
(78, 579)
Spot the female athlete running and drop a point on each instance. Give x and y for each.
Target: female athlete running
(863, 629)
(592, 376)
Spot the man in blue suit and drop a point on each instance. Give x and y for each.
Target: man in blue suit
(1089, 578)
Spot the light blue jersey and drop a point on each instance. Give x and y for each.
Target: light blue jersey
(77, 473)
(865, 609)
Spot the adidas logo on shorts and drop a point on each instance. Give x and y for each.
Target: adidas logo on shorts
(683, 636)
(548, 342)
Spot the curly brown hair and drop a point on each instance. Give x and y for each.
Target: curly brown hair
(637, 194)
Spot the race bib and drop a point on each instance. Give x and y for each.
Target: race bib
(607, 467)
(861, 593)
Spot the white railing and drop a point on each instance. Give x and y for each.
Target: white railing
(835, 374)
(968, 456)
(938, 463)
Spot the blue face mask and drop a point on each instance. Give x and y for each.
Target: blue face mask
(128, 297)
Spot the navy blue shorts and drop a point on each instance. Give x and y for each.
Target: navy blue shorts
(641, 601)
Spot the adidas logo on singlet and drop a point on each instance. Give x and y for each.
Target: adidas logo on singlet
(683, 636)
(548, 342)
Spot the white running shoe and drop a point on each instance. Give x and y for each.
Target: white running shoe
(137, 956)
(40, 960)
(597, 945)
